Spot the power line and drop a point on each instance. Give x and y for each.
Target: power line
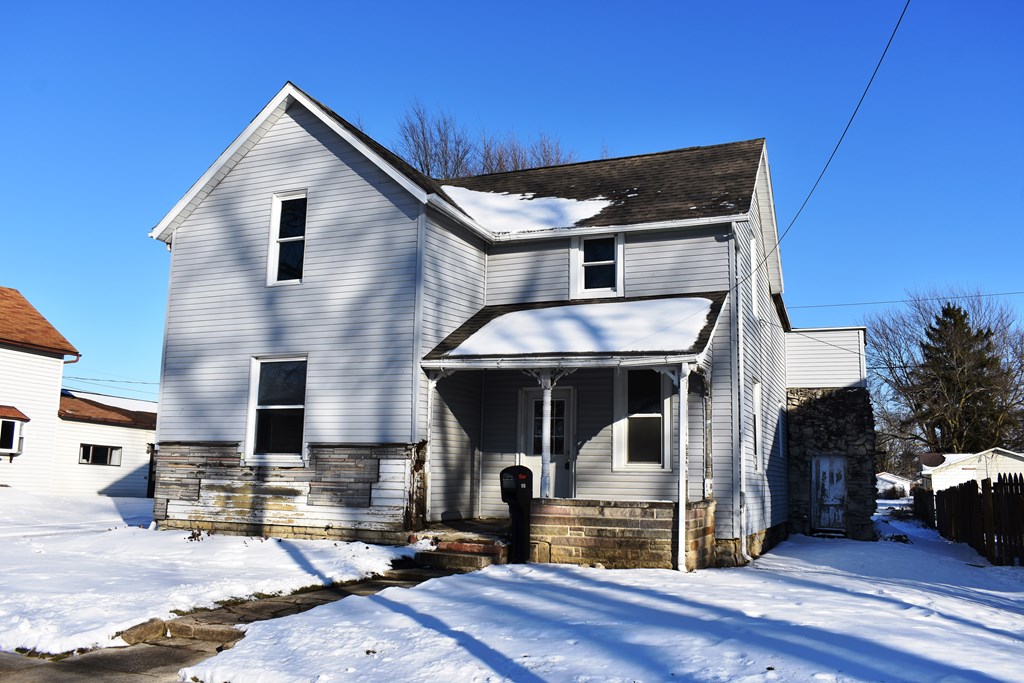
(911, 300)
(103, 379)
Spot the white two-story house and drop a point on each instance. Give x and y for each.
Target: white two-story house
(353, 349)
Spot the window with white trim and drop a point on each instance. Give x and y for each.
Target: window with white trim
(755, 426)
(288, 237)
(755, 278)
(90, 454)
(642, 434)
(597, 266)
(11, 436)
(277, 407)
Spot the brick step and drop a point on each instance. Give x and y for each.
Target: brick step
(481, 547)
(456, 561)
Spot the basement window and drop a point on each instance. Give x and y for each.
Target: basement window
(90, 454)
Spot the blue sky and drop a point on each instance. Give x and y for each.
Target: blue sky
(117, 108)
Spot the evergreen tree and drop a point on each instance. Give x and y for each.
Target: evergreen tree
(958, 389)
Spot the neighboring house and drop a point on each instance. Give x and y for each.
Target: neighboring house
(112, 437)
(956, 468)
(353, 349)
(59, 442)
(885, 481)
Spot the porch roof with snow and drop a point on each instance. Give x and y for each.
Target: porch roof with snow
(630, 331)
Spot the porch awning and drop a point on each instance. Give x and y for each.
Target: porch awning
(606, 332)
(12, 413)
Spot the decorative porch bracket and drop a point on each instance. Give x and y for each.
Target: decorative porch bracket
(547, 378)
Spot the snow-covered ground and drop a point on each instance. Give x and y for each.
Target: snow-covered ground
(74, 572)
(811, 610)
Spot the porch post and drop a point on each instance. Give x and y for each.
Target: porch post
(684, 390)
(544, 377)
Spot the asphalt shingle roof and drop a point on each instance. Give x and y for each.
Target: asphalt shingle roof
(696, 182)
(21, 325)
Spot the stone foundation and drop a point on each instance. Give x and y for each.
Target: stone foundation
(344, 492)
(728, 552)
(832, 421)
(619, 534)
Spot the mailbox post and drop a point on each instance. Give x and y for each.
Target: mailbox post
(517, 491)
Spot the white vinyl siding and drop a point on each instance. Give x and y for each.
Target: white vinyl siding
(819, 358)
(531, 271)
(130, 478)
(353, 315)
(454, 438)
(677, 262)
(31, 383)
(764, 360)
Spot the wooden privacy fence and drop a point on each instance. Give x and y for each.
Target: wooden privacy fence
(990, 520)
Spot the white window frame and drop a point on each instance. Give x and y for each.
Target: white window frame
(755, 306)
(274, 249)
(620, 426)
(17, 439)
(250, 457)
(576, 278)
(113, 460)
(757, 425)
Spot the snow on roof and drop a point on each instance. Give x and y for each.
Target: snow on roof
(652, 325)
(509, 212)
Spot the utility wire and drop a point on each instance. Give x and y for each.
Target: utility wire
(911, 300)
(102, 379)
(775, 247)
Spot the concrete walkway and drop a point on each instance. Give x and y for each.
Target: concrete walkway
(166, 647)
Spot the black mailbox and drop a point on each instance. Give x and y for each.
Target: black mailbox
(517, 491)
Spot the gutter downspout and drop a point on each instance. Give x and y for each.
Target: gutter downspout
(684, 390)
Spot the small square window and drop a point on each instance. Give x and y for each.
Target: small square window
(90, 454)
(288, 238)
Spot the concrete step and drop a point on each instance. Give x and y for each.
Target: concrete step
(455, 561)
(498, 550)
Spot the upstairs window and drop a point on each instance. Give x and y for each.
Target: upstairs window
(89, 454)
(278, 412)
(597, 266)
(288, 237)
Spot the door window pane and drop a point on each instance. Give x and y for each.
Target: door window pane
(557, 426)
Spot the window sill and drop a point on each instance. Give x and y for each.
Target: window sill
(273, 460)
(598, 294)
(283, 283)
(640, 467)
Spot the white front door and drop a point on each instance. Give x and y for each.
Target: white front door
(530, 442)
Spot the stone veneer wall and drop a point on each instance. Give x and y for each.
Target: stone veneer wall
(345, 492)
(620, 534)
(832, 421)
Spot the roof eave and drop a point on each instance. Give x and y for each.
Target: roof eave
(582, 231)
(164, 230)
(566, 361)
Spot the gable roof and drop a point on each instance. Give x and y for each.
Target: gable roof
(79, 409)
(420, 186)
(688, 186)
(21, 325)
(682, 184)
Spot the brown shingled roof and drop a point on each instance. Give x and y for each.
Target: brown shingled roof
(86, 410)
(696, 182)
(12, 413)
(23, 326)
